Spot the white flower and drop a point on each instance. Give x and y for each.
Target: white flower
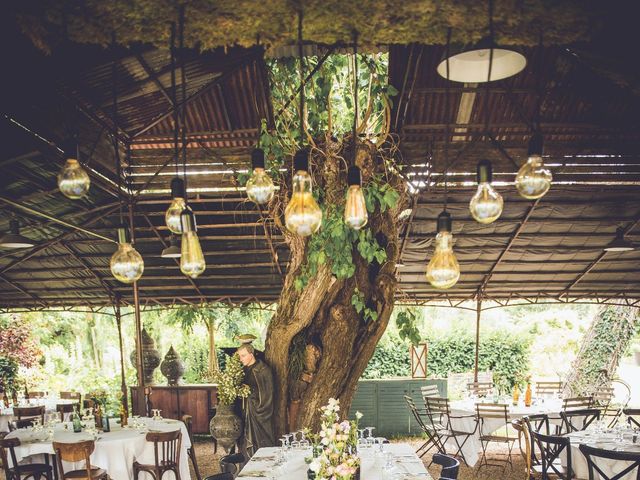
(359, 415)
(315, 465)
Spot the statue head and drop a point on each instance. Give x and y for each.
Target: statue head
(246, 354)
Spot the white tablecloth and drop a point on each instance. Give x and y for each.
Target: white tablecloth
(6, 414)
(605, 441)
(406, 465)
(472, 448)
(115, 451)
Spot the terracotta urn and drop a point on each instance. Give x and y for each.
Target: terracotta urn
(172, 367)
(150, 357)
(226, 426)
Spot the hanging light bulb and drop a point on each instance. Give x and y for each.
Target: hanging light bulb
(126, 263)
(192, 261)
(355, 209)
(486, 205)
(619, 244)
(173, 250)
(443, 270)
(302, 215)
(178, 204)
(534, 179)
(73, 180)
(260, 187)
(13, 239)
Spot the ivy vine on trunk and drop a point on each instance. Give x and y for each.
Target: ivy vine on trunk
(340, 284)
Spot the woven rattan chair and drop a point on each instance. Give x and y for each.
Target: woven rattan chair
(20, 471)
(491, 412)
(191, 451)
(78, 452)
(166, 451)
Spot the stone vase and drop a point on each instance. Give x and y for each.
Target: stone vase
(150, 357)
(172, 367)
(226, 426)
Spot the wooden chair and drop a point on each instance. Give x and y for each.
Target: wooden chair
(440, 417)
(524, 442)
(63, 408)
(17, 471)
(480, 389)
(77, 452)
(17, 424)
(31, 395)
(166, 449)
(633, 416)
(88, 403)
(577, 420)
(627, 463)
(551, 448)
(549, 388)
(577, 403)
(492, 412)
(191, 451)
(429, 391)
(29, 413)
(70, 396)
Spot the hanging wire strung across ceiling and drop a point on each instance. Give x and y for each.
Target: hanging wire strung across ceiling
(126, 263)
(302, 216)
(443, 270)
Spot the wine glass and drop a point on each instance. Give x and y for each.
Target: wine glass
(370, 430)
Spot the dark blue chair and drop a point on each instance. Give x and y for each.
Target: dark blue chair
(450, 466)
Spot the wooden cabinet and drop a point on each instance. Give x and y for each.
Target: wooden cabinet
(199, 401)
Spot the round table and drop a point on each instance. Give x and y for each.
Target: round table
(7, 416)
(605, 440)
(115, 451)
(472, 448)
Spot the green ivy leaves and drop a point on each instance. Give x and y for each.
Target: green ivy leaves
(407, 329)
(358, 301)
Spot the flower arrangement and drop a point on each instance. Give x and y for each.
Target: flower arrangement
(336, 445)
(229, 381)
(98, 396)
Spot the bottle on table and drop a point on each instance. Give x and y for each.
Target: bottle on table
(516, 394)
(123, 416)
(106, 427)
(527, 395)
(77, 424)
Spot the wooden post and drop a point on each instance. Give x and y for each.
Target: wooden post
(478, 314)
(136, 311)
(123, 381)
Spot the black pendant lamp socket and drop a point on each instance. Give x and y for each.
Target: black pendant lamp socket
(172, 250)
(13, 239)
(486, 205)
(619, 244)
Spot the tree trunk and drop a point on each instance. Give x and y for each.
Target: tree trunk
(322, 315)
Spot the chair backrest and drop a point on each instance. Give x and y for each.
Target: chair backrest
(36, 394)
(429, 391)
(188, 422)
(63, 408)
(551, 446)
(438, 411)
(577, 403)
(623, 462)
(70, 395)
(549, 388)
(450, 465)
(74, 452)
(220, 476)
(480, 389)
(537, 423)
(8, 445)
(603, 395)
(24, 423)
(418, 415)
(576, 420)
(633, 416)
(88, 403)
(166, 447)
(232, 463)
(524, 442)
(29, 412)
(491, 412)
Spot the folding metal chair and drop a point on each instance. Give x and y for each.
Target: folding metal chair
(440, 418)
(577, 403)
(480, 389)
(429, 391)
(548, 388)
(494, 413)
(428, 430)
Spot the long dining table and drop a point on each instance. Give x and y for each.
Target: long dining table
(115, 451)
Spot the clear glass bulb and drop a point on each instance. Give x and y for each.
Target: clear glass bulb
(302, 215)
(73, 180)
(127, 264)
(355, 209)
(172, 216)
(486, 205)
(533, 179)
(443, 270)
(192, 261)
(260, 187)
